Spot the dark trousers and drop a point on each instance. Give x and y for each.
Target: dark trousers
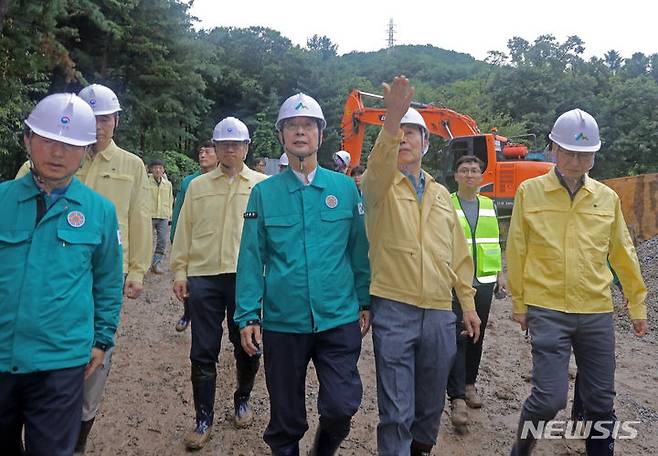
(211, 298)
(48, 404)
(335, 354)
(466, 366)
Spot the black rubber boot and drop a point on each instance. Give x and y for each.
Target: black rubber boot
(204, 377)
(292, 450)
(595, 445)
(85, 429)
(420, 449)
(324, 444)
(246, 368)
(331, 432)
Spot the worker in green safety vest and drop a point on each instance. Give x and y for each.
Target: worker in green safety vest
(478, 219)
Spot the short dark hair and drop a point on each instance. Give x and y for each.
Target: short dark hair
(206, 143)
(156, 163)
(358, 170)
(469, 159)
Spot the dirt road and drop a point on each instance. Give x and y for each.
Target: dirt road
(148, 404)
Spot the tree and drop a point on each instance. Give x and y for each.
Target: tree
(322, 45)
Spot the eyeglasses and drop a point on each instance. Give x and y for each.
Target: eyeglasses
(580, 156)
(51, 144)
(226, 145)
(306, 125)
(473, 171)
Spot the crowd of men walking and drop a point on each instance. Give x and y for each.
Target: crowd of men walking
(302, 265)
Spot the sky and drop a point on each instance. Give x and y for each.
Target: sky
(473, 27)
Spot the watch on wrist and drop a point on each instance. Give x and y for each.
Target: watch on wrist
(101, 346)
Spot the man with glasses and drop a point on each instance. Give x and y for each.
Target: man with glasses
(565, 228)
(477, 216)
(204, 259)
(61, 282)
(303, 275)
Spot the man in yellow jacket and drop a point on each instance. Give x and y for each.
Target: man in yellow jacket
(418, 254)
(565, 228)
(161, 202)
(204, 260)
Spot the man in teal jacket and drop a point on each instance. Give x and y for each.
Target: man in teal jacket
(303, 274)
(207, 162)
(61, 282)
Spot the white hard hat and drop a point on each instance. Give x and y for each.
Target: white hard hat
(576, 131)
(300, 105)
(231, 129)
(413, 117)
(283, 160)
(342, 158)
(101, 99)
(64, 117)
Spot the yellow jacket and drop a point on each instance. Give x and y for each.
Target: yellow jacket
(120, 176)
(558, 250)
(418, 252)
(207, 239)
(161, 198)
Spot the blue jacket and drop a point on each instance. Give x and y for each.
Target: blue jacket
(303, 264)
(61, 281)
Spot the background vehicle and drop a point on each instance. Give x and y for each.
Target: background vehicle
(507, 164)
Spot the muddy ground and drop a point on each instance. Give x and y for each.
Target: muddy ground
(148, 403)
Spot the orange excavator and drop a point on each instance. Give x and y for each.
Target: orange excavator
(507, 164)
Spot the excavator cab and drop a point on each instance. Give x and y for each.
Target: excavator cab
(454, 150)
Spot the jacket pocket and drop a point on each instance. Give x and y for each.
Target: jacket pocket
(488, 259)
(79, 245)
(336, 226)
(13, 237)
(282, 230)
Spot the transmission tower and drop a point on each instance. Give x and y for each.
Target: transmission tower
(391, 33)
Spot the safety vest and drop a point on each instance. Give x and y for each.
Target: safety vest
(485, 242)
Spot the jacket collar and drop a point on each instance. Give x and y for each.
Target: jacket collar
(552, 182)
(319, 181)
(245, 173)
(29, 189)
(109, 151)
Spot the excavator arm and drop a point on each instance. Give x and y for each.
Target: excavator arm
(442, 122)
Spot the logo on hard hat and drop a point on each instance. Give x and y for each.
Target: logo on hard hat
(300, 105)
(65, 120)
(582, 136)
(229, 129)
(92, 102)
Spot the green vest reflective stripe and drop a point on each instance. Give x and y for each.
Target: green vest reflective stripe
(485, 242)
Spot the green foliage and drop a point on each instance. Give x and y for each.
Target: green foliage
(175, 83)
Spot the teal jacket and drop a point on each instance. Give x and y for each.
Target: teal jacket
(61, 281)
(303, 264)
(178, 203)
